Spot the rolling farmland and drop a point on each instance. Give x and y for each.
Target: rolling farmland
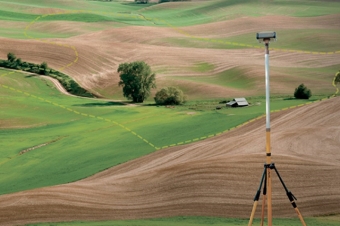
(66, 158)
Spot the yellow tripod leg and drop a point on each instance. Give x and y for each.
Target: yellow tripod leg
(252, 213)
(300, 216)
(257, 197)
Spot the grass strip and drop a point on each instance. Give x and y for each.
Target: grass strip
(200, 221)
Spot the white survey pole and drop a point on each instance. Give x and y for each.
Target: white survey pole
(266, 57)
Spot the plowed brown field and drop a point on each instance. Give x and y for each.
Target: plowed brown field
(215, 177)
(100, 52)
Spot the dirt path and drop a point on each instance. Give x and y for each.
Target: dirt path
(63, 90)
(213, 177)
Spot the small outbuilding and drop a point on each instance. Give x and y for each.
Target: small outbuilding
(238, 102)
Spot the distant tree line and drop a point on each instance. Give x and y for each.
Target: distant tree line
(68, 83)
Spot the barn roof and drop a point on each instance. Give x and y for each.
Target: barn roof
(241, 101)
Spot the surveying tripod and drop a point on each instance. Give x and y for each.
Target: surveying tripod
(291, 197)
(266, 37)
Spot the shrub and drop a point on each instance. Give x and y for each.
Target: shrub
(170, 95)
(302, 92)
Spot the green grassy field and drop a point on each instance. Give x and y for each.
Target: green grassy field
(198, 221)
(85, 136)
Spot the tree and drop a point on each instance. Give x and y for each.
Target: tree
(43, 68)
(11, 57)
(337, 77)
(170, 95)
(302, 92)
(137, 80)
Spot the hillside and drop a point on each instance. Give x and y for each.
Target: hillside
(65, 158)
(214, 177)
(176, 37)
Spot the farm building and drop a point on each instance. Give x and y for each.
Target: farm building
(238, 102)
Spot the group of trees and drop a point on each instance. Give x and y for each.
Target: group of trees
(67, 82)
(137, 80)
(16, 63)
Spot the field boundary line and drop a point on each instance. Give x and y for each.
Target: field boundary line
(153, 20)
(27, 28)
(76, 112)
(247, 122)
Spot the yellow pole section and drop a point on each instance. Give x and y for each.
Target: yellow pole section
(268, 151)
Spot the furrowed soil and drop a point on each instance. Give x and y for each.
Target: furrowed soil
(101, 52)
(213, 177)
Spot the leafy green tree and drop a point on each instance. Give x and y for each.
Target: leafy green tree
(170, 95)
(137, 80)
(11, 57)
(302, 92)
(337, 77)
